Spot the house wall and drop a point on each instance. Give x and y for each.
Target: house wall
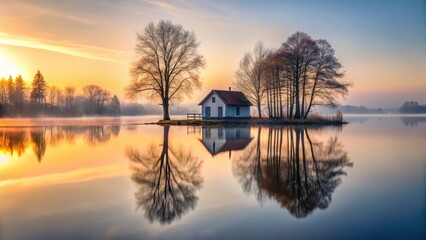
(214, 106)
(212, 140)
(231, 111)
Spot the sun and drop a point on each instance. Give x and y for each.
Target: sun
(7, 66)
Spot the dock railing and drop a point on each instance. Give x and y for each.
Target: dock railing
(193, 116)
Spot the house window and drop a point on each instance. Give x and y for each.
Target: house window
(207, 111)
(213, 99)
(220, 133)
(237, 111)
(208, 133)
(220, 111)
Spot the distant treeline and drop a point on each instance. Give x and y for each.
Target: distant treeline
(40, 99)
(358, 109)
(412, 107)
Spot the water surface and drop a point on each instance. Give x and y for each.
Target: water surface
(116, 179)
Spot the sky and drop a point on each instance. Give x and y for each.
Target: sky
(381, 44)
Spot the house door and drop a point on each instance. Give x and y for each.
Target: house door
(220, 111)
(208, 112)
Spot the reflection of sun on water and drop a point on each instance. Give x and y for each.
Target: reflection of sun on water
(7, 66)
(4, 158)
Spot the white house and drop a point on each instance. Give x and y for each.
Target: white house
(225, 104)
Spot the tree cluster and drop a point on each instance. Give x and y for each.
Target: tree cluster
(16, 99)
(302, 73)
(412, 107)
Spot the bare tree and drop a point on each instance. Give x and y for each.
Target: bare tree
(249, 75)
(69, 99)
(168, 63)
(325, 75)
(95, 99)
(297, 54)
(53, 96)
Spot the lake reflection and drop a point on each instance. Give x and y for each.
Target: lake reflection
(296, 170)
(154, 182)
(167, 178)
(16, 140)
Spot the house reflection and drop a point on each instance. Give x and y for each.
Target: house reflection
(225, 139)
(291, 167)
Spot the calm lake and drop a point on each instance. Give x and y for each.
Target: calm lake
(118, 179)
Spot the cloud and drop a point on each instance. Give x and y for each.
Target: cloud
(73, 49)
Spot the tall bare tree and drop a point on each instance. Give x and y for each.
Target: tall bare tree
(69, 99)
(325, 78)
(167, 66)
(249, 75)
(53, 96)
(298, 53)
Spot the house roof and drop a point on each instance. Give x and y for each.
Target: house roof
(230, 145)
(235, 98)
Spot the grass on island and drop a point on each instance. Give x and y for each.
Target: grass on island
(312, 120)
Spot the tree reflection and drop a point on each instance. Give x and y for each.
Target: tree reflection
(167, 180)
(13, 141)
(300, 173)
(17, 140)
(38, 141)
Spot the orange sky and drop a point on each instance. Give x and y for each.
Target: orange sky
(91, 42)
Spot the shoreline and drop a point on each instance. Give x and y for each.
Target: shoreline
(251, 122)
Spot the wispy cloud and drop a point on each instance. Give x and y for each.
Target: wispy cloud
(73, 49)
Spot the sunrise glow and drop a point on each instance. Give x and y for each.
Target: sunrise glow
(8, 67)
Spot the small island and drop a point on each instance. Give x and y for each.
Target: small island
(283, 85)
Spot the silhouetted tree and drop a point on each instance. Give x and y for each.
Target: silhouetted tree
(249, 75)
(53, 97)
(10, 90)
(115, 106)
(38, 89)
(19, 94)
(95, 99)
(302, 73)
(168, 63)
(167, 180)
(69, 100)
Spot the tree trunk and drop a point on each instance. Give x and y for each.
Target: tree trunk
(166, 115)
(296, 90)
(312, 95)
(259, 108)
